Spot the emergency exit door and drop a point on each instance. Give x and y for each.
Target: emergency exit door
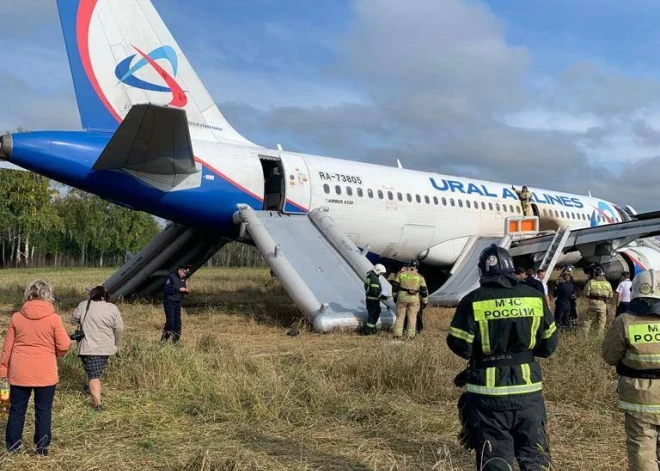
(296, 184)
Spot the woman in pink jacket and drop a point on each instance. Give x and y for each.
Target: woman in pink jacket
(35, 338)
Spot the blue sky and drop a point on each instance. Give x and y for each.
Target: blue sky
(562, 94)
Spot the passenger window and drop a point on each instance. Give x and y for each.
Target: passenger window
(511, 208)
(467, 203)
(338, 190)
(409, 198)
(518, 209)
(418, 199)
(349, 191)
(476, 205)
(380, 195)
(504, 208)
(483, 206)
(435, 200)
(452, 202)
(556, 213)
(427, 200)
(399, 196)
(390, 196)
(360, 192)
(490, 206)
(497, 206)
(370, 193)
(545, 212)
(326, 189)
(562, 214)
(460, 203)
(444, 201)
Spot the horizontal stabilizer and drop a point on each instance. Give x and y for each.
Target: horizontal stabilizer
(151, 139)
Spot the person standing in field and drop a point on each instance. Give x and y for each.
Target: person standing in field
(174, 289)
(102, 325)
(623, 293)
(35, 339)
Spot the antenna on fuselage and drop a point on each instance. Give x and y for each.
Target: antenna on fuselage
(589, 191)
(398, 163)
(279, 147)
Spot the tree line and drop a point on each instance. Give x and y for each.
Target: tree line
(45, 224)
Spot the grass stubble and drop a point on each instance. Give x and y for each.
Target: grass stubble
(238, 394)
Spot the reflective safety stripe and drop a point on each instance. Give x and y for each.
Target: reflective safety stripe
(371, 325)
(652, 408)
(485, 337)
(490, 377)
(536, 323)
(375, 286)
(461, 334)
(504, 390)
(547, 333)
(648, 358)
(644, 333)
(507, 308)
(526, 373)
(375, 298)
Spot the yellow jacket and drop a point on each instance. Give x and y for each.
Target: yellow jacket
(598, 289)
(634, 342)
(409, 285)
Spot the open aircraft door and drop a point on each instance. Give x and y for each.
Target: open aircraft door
(296, 184)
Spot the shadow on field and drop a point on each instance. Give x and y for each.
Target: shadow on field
(295, 450)
(265, 305)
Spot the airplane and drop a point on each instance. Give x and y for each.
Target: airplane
(153, 140)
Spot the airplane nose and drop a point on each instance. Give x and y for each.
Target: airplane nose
(5, 147)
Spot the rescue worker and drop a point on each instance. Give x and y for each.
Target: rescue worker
(599, 291)
(174, 289)
(525, 197)
(500, 328)
(374, 294)
(408, 287)
(564, 292)
(632, 344)
(568, 269)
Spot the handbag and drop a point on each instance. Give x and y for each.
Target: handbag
(79, 334)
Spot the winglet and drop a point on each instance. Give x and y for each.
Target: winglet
(398, 163)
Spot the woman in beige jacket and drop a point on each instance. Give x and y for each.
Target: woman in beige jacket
(102, 326)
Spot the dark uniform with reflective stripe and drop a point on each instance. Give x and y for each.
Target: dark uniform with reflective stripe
(500, 327)
(373, 291)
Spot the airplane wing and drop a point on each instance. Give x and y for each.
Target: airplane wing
(594, 241)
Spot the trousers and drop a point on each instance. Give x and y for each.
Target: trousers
(373, 314)
(597, 311)
(43, 406)
(502, 436)
(406, 309)
(172, 322)
(642, 444)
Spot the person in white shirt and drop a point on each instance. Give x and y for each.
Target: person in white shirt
(540, 275)
(623, 292)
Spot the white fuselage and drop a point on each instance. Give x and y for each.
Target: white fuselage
(399, 213)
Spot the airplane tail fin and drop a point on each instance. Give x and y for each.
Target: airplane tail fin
(122, 54)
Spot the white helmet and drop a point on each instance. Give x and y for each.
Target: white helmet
(646, 285)
(379, 269)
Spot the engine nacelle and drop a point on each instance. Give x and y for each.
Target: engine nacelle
(445, 253)
(640, 258)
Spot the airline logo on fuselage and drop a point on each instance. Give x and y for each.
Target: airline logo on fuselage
(453, 186)
(126, 71)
